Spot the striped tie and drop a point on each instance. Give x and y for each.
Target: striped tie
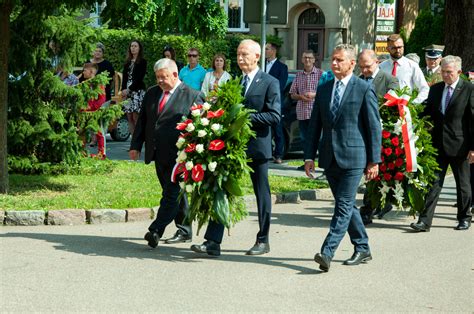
(336, 102)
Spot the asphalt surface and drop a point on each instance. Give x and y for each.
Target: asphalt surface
(109, 268)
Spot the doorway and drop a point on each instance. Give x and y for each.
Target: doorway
(311, 34)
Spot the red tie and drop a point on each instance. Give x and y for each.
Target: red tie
(163, 101)
(394, 70)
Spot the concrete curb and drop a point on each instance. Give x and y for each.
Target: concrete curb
(100, 216)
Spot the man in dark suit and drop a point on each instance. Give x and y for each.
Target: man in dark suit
(450, 104)
(278, 70)
(262, 94)
(346, 112)
(382, 82)
(163, 107)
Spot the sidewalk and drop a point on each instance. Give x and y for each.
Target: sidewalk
(109, 268)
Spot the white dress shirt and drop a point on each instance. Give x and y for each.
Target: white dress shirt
(344, 81)
(251, 76)
(269, 65)
(408, 74)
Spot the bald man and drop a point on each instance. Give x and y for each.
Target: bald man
(262, 94)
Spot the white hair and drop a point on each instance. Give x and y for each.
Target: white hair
(165, 63)
(252, 44)
(349, 49)
(457, 61)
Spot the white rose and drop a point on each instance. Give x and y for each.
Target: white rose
(180, 142)
(206, 106)
(212, 166)
(196, 113)
(189, 188)
(205, 121)
(216, 127)
(202, 133)
(189, 165)
(190, 127)
(199, 148)
(182, 185)
(181, 156)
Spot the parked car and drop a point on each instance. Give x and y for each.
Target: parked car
(118, 129)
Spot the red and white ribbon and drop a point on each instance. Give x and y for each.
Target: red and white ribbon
(177, 170)
(407, 127)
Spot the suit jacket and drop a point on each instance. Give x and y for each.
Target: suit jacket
(383, 82)
(453, 132)
(158, 131)
(279, 71)
(355, 137)
(138, 74)
(263, 96)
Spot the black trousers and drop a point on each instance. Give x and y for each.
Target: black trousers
(261, 188)
(171, 208)
(461, 172)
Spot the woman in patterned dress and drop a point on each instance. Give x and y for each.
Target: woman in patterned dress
(133, 87)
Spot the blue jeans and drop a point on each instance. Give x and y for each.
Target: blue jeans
(346, 218)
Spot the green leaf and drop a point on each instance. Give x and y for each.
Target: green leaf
(233, 187)
(221, 208)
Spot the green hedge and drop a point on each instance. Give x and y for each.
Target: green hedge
(117, 41)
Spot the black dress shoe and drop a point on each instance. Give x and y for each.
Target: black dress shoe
(152, 238)
(420, 226)
(179, 237)
(357, 258)
(259, 248)
(388, 207)
(463, 225)
(210, 247)
(323, 261)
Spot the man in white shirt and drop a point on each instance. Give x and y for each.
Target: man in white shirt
(406, 71)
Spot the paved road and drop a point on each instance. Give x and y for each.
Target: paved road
(108, 268)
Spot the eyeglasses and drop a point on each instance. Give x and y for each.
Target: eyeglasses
(396, 48)
(192, 56)
(309, 58)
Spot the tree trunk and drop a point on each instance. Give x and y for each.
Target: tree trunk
(5, 10)
(459, 15)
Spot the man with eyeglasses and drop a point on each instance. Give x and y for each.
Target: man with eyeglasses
(193, 74)
(382, 82)
(406, 71)
(303, 89)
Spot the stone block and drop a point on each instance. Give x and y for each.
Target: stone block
(24, 217)
(139, 214)
(2, 217)
(308, 195)
(66, 217)
(100, 216)
(289, 197)
(324, 194)
(154, 211)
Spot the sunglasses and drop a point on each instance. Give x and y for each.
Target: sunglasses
(192, 56)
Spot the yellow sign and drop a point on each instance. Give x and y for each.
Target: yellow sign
(381, 47)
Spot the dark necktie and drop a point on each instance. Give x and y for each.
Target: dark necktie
(245, 81)
(430, 72)
(336, 102)
(394, 70)
(449, 94)
(369, 79)
(163, 101)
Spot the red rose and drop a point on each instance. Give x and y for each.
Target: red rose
(195, 107)
(391, 165)
(216, 145)
(215, 114)
(399, 176)
(382, 157)
(387, 176)
(383, 167)
(197, 173)
(191, 147)
(398, 151)
(395, 141)
(387, 151)
(377, 178)
(399, 162)
(385, 134)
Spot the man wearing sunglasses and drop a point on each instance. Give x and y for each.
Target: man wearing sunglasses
(193, 73)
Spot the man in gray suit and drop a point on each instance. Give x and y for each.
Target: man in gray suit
(382, 83)
(346, 112)
(164, 105)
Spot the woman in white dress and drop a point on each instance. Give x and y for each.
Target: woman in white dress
(217, 77)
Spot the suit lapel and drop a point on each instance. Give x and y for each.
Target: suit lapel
(455, 95)
(170, 103)
(347, 92)
(255, 83)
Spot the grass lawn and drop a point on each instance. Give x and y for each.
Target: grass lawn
(109, 184)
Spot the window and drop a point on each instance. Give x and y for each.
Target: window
(235, 14)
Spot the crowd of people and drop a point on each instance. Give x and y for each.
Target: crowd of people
(338, 117)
